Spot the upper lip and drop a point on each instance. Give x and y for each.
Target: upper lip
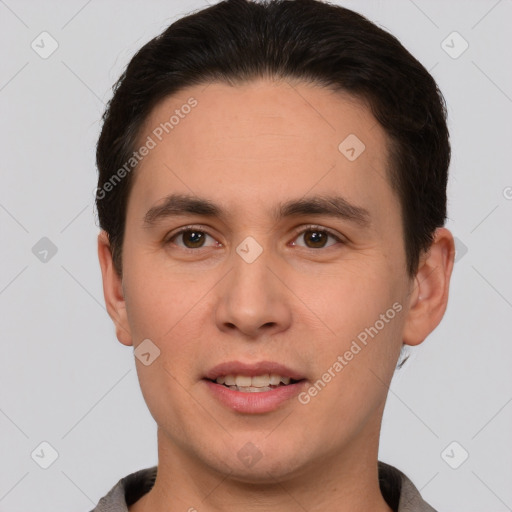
(252, 370)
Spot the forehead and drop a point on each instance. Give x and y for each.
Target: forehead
(262, 140)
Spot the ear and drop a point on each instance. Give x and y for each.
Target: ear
(113, 291)
(429, 297)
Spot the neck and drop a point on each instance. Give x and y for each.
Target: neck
(343, 483)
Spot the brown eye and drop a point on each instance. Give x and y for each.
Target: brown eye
(193, 239)
(190, 238)
(316, 238)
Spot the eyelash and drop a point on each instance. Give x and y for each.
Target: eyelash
(302, 230)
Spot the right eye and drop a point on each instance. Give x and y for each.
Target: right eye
(191, 238)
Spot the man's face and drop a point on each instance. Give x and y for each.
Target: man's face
(208, 297)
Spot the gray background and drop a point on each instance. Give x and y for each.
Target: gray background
(64, 377)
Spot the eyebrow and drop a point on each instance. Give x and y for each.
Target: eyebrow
(328, 205)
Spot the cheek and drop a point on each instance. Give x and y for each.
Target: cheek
(353, 296)
(157, 298)
(171, 309)
(354, 365)
(164, 395)
(362, 312)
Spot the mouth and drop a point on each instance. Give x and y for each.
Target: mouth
(253, 388)
(254, 384)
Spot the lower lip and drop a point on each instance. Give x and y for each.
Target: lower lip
(255, 402)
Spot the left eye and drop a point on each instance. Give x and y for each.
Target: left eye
(316, 238)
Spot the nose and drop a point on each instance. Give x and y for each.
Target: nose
(252, 300)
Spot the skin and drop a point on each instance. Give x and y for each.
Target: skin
(249, 148)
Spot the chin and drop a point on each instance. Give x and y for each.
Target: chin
(258, 462)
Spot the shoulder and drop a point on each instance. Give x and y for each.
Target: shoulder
(127, 491)
(399, 492)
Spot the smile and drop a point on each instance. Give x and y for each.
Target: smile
(254, 388)
(255, 384)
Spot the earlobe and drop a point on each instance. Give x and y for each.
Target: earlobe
(429, 297)
(113, 290)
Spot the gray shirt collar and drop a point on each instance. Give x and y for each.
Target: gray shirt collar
(396, 488)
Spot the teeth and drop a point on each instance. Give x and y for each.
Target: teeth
(275, 379)
(243, 381)
(251, 389)
(260, 381)
(229, 380)
(256, 383)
